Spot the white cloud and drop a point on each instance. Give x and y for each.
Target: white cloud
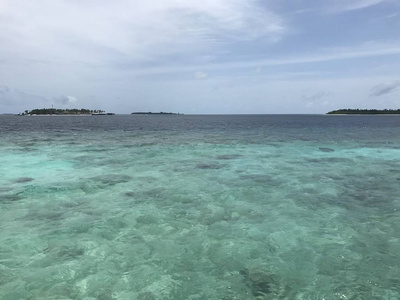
(327, 103)
(200, 75)
(90, 31)
(4, 90)
(323, 55)
(384, 88)
(335, 6)
(354, 5)
(65, 100)
(362, 51)
(314, 97)
(390, 16)
(17, 98)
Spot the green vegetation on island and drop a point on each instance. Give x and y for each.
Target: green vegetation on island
(154, 113)
(349, 111)
(58, 111)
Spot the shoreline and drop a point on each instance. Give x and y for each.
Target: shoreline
(48, 115)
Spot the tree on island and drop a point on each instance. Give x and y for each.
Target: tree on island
(154, 113)
(357, 111)
(57, 111)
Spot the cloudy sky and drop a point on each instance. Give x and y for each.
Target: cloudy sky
(209, 56)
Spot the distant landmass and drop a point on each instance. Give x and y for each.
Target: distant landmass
(154, 113)
(349, 111)
(58, 111)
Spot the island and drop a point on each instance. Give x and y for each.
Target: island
(67, 111)
(357, 111)
(154, 113)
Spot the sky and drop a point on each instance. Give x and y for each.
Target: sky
(200, 57)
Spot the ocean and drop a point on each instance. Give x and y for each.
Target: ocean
(200, 207)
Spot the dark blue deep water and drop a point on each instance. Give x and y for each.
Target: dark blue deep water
(200, 207)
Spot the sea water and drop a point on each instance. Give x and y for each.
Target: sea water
(200, 207)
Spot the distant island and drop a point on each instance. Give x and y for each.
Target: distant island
(58, 111)
(349, 111)
(154, 113)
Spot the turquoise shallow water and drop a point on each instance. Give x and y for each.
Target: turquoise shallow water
(200, 207)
